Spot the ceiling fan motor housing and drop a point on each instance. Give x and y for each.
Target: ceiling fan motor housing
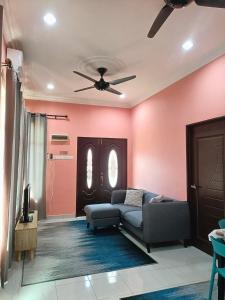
(101, 85)
(177, 3)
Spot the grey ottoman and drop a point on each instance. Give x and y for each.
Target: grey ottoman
(102, 215)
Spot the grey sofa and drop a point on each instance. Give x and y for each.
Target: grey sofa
(154, 222)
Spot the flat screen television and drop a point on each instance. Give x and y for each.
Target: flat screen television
(26, 218)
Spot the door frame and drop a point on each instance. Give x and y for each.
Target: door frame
(189, 165)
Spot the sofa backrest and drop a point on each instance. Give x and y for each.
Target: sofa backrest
(118, 196)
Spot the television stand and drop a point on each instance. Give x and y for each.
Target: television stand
(26, 236)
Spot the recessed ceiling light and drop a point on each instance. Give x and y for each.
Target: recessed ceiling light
(50, 86)
(49, 19)
(187, 45)
(122, 96)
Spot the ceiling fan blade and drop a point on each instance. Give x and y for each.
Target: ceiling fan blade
(118, 81)
(160, 19)
(84, 89)
(109, 89)
(85, 76)
(211, 3)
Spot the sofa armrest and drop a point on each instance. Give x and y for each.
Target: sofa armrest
(167, 221)
(118, 196)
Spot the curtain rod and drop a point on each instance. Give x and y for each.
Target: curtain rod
(50, 116)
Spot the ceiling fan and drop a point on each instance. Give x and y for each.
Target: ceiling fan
(174, 4)
(101, 84)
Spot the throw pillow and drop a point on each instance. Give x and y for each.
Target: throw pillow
(134, 197)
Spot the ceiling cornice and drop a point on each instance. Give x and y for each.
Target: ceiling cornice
(42, 97)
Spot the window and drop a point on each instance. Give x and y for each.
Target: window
(89, 168)
(113, 168)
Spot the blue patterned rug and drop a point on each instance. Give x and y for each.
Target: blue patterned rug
(197, 291)
(69, 249)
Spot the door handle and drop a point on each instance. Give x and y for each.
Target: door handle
(101, 179)
(195, 187)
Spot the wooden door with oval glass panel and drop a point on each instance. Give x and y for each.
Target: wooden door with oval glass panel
(101, 168)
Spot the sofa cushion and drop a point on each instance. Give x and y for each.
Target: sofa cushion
(134, 197)
(148, 196)
(126, 208)
(134, 218)
(101, 211)
(157, 199)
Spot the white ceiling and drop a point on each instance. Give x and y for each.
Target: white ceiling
(113, 33)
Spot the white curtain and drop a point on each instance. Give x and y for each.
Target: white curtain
(10, 145)
(37, 162)
(17, 95)
(22, 158)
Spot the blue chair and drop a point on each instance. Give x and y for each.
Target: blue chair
(218, 250)
(222, 223)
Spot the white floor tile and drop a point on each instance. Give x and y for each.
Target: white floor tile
(140, 281)
(76, 291)
(14, 282)
(103, 275)
(42, 291)
(193, 273)
(112, 286)
(179, 257)
(71, 280)
(5, 295)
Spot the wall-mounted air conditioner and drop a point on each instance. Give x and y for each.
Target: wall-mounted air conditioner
(59, 138)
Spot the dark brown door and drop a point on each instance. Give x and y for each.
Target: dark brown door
(101, 168)
(206, 179)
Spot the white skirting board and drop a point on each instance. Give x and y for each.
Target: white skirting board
(60, 217)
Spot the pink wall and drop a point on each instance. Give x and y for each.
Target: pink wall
(86, 121)
(159, 128)
(156, 132)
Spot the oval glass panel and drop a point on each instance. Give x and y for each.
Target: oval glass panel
(113, 168)
(89, 168)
